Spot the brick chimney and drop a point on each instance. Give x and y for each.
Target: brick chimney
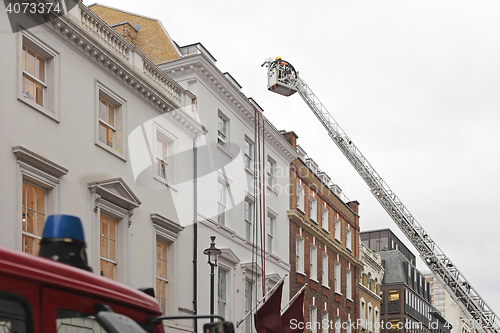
(128, 31)
(291, 137)
(354, 205)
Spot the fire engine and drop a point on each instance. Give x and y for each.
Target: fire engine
(57, 291)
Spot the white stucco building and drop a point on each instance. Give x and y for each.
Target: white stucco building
(229, 204)
(449, 309)
(91, 127)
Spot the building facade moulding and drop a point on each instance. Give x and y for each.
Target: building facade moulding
(205, 70)
(372, 266)
(227, 232)
(274, 277)
(227, 256)
(90, 36)
(251, 271)
(305, 180)
(369, 292)
(165, 227)
(188, 123)
(279, 142)
(29, 157)
(297, 217)
(115, 191)
(271, 280)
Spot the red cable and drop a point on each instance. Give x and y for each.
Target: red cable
(263, 212)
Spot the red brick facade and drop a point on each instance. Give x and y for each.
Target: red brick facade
(312, 230)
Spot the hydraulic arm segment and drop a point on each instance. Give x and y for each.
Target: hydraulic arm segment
(284, 80)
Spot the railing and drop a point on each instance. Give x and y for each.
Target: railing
(107, 34)
(110, 37)
(167, 85)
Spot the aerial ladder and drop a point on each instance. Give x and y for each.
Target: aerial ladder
(284, 80)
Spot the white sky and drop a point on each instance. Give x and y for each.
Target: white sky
(413, 83)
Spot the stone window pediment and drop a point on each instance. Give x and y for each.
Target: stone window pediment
(117, 192)
(228, 256)
(251, 271)
(165, 227)
(39, 162)
(272, 280)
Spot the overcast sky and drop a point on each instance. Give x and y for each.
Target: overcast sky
(413, 83)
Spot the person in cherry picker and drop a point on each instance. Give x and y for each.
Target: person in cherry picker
(283, 70)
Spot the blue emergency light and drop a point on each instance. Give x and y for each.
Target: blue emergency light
(63, 226)
(63, 240)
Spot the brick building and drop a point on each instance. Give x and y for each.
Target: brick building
(147, 33)
(324, 245)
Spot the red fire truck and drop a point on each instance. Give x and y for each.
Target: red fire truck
(43, 295)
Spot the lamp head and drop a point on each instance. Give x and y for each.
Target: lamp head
(212, 252)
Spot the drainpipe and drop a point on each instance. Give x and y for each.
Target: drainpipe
(195, 231)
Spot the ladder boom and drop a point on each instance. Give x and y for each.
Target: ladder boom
(286, 81)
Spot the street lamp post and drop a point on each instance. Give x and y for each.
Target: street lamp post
(212, 252)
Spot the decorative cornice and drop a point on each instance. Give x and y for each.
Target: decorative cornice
(272, 212)
(232, 235)
(369, 292)
(252, 266)
(96, 200)
(280, 142)
(273, 278)
(372, 263)
(250, 196)
(371, 258)
(229, 256)
(296, 216)
(307, 181)
(39, 162)
(124, 197)
(166, 223)
(187, 122)
(90, 36)
(220, 84)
